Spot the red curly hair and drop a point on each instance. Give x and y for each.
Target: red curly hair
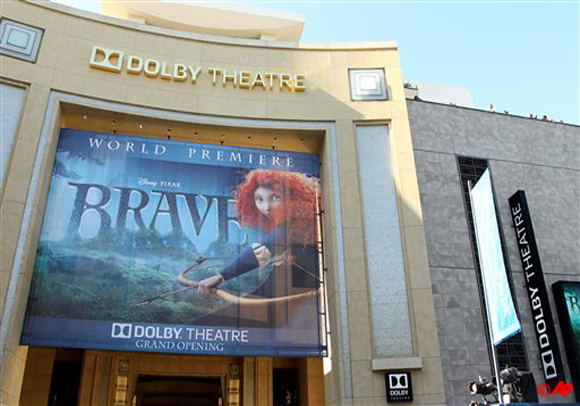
(299, 198)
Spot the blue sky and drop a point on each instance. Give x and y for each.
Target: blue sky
(522, 56)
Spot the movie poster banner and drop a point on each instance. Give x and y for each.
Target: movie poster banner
(167, 246)
(567, 299)
(502, 315)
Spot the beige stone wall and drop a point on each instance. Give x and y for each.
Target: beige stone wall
(324, 110)
(102, 371)
(38, 373)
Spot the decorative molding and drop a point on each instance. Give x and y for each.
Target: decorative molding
(19, 40)
(215, 39)
(367, 84)
(393, 364)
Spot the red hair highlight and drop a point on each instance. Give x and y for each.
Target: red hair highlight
(298, 204)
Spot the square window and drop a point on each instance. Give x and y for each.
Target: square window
(367, 84)
(19, 40)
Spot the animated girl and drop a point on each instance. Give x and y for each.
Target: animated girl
(284, 206)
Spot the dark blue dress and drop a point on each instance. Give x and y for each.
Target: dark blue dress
(295, 270)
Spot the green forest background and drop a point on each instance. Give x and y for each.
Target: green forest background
(104, 277)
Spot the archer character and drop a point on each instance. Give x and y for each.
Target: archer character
(283, 205)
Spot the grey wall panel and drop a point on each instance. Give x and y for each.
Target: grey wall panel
(391, 326)
(542, 158)
(11, 103)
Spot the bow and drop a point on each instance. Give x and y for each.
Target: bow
(234, 299)
(198, 262)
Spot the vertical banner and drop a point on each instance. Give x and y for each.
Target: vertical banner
(567, 299)
(502, 314)
(536, 288)
(166, 246)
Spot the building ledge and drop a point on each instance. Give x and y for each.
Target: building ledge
(389, 364)
(497, 113)
(291, 45)
(228, 20)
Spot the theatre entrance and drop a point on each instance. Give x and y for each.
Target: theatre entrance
(66, 377)
(152, 390)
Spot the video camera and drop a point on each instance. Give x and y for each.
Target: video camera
(516, 387)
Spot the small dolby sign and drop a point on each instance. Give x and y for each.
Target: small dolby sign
(399, 387)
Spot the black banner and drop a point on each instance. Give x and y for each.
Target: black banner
(399, 387)
(536, 289)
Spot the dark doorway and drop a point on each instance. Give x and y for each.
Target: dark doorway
(286, 387)
(66, 375)
(178, 391)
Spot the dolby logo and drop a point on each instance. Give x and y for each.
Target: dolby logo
(121, 330)
(106, 59)
(399, 381)
(399, 387)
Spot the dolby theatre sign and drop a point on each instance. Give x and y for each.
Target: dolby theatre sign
(116, 61)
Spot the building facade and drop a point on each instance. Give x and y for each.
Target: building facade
(453, 145)
(344, 103)
(399, 278)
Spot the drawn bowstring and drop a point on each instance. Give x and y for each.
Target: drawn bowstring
(276, 261)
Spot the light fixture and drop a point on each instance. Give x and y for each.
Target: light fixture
(481, 387)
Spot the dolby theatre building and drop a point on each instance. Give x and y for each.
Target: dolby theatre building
(197, 209)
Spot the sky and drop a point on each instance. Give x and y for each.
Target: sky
(520, 56)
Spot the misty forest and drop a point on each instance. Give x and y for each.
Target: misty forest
(102, 278)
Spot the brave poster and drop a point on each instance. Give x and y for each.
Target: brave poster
(168, 246)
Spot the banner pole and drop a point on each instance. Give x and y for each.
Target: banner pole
(323, 307)
(485, 300)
